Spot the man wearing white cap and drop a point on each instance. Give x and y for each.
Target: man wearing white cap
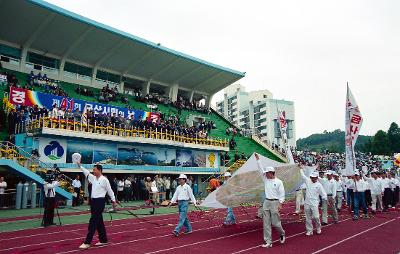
(376, 190)
(183, 195)
(230, 217)
(314, 190)
(330, 188)
(274, 198)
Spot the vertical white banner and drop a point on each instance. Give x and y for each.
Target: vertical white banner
(353, 123)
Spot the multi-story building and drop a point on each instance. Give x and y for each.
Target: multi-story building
(257, 113)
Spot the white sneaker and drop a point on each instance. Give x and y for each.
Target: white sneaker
(84, 246)
(319, 231)
(309, 233)
(100, 244)
(267, 245)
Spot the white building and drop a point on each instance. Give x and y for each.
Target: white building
(257, 113)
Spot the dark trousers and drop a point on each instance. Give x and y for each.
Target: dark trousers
(167, 194)
(368, 197)
(359, 201)
(75, 200)
(396, 196)
(350, 198)
(96, 221)
(387, 198)
(127, 192)
(48, 215)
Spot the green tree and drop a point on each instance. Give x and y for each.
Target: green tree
(394, 138)
(380, 143)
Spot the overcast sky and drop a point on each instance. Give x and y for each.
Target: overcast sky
(304, 51)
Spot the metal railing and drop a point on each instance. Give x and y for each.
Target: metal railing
(120, 131)
(12, 152)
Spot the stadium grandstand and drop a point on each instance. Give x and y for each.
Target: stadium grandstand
(138, 108)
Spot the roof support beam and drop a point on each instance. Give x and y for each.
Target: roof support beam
(76, 43)
(132, 65)
(188, 74)
(225, 84)
(38, 30)
(165, 68)
(109, 53)
(214, 76)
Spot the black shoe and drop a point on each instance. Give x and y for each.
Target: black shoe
(324, 223)
(176, 234)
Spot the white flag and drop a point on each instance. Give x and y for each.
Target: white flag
(283, 128)
(353, 124)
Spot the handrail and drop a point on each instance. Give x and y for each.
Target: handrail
(11, 151)
(59, 123)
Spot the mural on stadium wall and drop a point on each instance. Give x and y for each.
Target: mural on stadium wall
(24, 97)
(113, 154)
(143, 155)
(82, 147)
(104, 154)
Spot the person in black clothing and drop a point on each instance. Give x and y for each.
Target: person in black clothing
(237, 157)
(243, 156)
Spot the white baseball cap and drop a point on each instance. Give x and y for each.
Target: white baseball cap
(182, 176)
(268, 169)
(329, 172)
(227, 174)
(314, 174)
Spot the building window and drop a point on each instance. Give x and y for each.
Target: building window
(10, 51)
(75, 68)
(108, 76)
(43, 60)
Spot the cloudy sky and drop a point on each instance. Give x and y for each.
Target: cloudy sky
(303, 51)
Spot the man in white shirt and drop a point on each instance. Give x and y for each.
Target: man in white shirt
(376, 190)
(392, 186)
(314, 191)
(396, 191)
(120, 190)
(3, 186)
(330, 188)
(340, 188)
(274, 198)
(182, 196)
(127, 189)
(167, 182)
(349, 192)
(49, 187)
(359, 196)
(100, 187)
(76, 184)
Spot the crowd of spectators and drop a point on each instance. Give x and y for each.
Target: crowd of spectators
(108, 94)
(336, 161)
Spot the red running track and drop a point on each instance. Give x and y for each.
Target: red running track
(375, 235)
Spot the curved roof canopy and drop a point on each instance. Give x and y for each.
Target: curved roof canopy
(38, 25)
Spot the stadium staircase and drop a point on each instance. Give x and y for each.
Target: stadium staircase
(244, 144)
(23, 164)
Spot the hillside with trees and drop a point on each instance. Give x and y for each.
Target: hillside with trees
(382, 143)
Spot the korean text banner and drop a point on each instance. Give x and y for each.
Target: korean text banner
(24, 97)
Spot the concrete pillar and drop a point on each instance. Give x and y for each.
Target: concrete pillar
(94, 74)
(173, 92)
(226, 106)
(22, 63)
(122, 87)
(146, 88)
(191, 96)
(61, 71)
(208, 100)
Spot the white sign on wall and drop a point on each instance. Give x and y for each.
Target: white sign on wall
(53, 150)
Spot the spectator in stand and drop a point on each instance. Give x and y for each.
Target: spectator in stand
(237, 157)
(243, 156)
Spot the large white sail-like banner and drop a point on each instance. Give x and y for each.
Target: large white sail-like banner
(247, 185)
(353, 123)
